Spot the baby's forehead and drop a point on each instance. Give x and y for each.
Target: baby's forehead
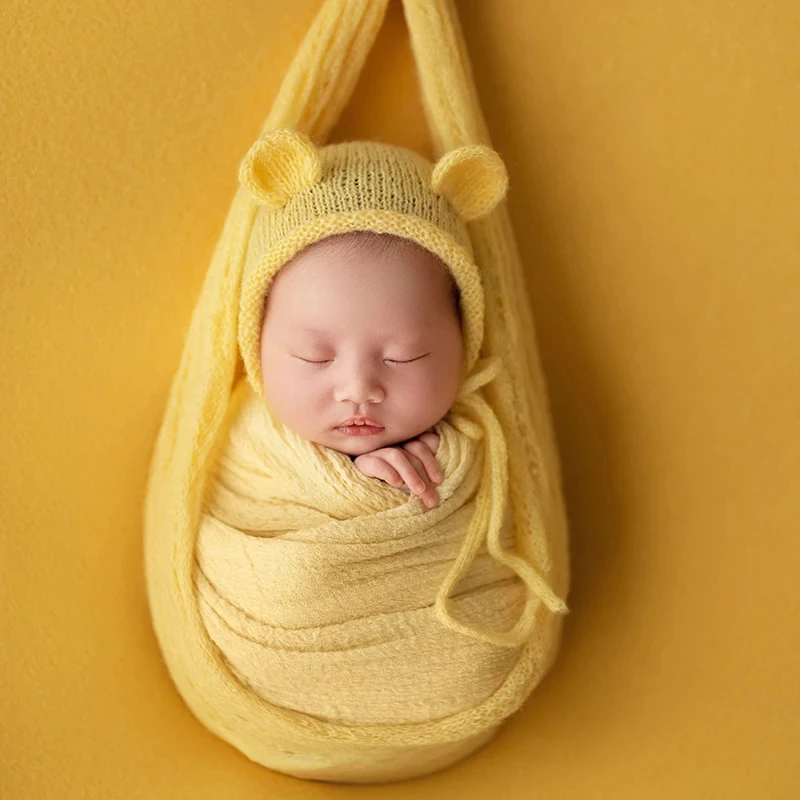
(362, 276)
(369, 244)
(369, 250)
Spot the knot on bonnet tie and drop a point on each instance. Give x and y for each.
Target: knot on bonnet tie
(474, 417)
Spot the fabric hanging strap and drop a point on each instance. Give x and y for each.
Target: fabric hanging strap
(454, 119)
(320, 80)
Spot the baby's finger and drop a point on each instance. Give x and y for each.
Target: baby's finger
(429, 498)
(388, 474)
(428, 494)
(410, 469)
(377, 467)
(423, 452)
(431, 438)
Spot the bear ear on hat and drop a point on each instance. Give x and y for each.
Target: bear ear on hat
(473, 178)
(278, 165)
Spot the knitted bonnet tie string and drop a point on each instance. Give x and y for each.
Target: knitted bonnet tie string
(488, 516)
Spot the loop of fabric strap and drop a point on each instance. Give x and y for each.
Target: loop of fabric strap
(319, 82)
(488, 519)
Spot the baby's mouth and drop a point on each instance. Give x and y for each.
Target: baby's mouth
(359, 430)
(360, 427)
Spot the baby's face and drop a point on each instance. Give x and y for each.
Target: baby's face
(350, 332)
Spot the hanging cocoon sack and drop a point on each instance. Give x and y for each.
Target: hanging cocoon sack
(324, 622)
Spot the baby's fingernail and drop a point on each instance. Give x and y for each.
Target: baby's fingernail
(430, 502)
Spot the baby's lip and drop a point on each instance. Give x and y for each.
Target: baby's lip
(359, 421)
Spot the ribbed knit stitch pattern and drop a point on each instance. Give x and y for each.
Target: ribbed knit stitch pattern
(355, 186)
(293, 193)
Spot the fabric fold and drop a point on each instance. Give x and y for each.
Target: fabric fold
(319, 585)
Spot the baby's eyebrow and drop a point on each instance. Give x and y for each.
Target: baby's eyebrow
(316, 333)
(312, 331)
(415, 337)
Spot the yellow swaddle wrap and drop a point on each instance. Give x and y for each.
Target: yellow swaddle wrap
(323, 622)
(316, 582)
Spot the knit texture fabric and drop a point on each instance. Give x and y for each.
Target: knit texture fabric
(320, 621)
(308, 194)
(316, 583)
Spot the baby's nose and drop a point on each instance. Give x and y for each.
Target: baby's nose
(360, 389)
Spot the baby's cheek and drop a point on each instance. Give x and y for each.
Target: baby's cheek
(285, 397)
(428, 395)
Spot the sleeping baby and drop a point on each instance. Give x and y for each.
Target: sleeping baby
(361, 352)
(353, 558)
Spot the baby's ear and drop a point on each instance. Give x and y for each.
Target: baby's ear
(278, 165)
(473, 178)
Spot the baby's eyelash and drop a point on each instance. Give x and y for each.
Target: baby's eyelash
(388, 360)
(410, 361)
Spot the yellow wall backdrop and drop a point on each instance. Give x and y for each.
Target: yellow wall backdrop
(654, 158)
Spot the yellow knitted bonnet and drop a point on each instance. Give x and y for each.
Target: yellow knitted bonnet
(308, 193)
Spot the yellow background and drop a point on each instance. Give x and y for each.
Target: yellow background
(654, 158)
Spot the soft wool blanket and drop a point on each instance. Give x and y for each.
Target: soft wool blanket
(318, 583)
(325, 624)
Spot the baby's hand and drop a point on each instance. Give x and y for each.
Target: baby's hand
(411, 466)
